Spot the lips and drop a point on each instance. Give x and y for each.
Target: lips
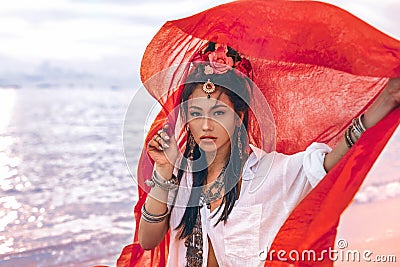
(207, 137)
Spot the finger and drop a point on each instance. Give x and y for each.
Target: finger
(168, 129)
(164, 136)
(157, 138)
(162, 143)
(150, 146)
(155, 145)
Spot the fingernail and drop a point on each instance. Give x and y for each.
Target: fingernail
(160, 148)
(165, 145)
(166, 138)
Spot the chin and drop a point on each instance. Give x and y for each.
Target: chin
(208, 149)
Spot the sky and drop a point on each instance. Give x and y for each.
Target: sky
(73, 43)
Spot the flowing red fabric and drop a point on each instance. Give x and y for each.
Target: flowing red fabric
(317, 66)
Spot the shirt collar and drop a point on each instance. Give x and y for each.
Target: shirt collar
(255, 156)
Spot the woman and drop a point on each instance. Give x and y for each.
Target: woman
(216, 219)
(315, 82)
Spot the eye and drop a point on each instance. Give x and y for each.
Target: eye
(195, 114)
(219, 113)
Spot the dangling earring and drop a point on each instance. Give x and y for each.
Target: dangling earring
(240, 145)
(191, 143)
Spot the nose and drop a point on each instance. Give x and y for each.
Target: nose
(206, 124)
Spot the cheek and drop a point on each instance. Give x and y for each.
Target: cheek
(195, 128)
(227, 126)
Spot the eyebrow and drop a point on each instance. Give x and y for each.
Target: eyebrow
(214, 107)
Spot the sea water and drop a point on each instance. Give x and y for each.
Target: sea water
(66, 194)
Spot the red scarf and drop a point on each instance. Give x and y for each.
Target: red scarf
(318, 67)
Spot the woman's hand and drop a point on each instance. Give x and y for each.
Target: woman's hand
(163, 148)
(387, 101)
(393, 91)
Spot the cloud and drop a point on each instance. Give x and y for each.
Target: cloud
(61, 41)
(50, 38)
(77, 30)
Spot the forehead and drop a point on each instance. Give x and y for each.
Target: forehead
(199, 98)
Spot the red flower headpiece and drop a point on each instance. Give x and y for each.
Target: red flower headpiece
(220, 59)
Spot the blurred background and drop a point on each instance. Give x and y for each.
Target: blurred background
(68, 71)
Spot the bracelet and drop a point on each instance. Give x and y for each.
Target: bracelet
(361, 124)
(358, 127)
(347, 137)
(171, 184)
(153, 218)
(356, 132)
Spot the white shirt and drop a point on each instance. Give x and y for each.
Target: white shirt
(272, 185)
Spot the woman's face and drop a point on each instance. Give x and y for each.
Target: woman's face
(212, 121)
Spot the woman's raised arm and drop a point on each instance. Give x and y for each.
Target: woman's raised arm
(387, 101)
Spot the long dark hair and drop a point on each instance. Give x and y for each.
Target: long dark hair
(238, 88)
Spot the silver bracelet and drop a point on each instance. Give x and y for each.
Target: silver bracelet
(358, 127)
(347, 137)
(171, 184)
(361, 124)
(153, 218)
(356, 132)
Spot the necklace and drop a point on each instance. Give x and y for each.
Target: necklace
(194, 245)
(214, 191)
